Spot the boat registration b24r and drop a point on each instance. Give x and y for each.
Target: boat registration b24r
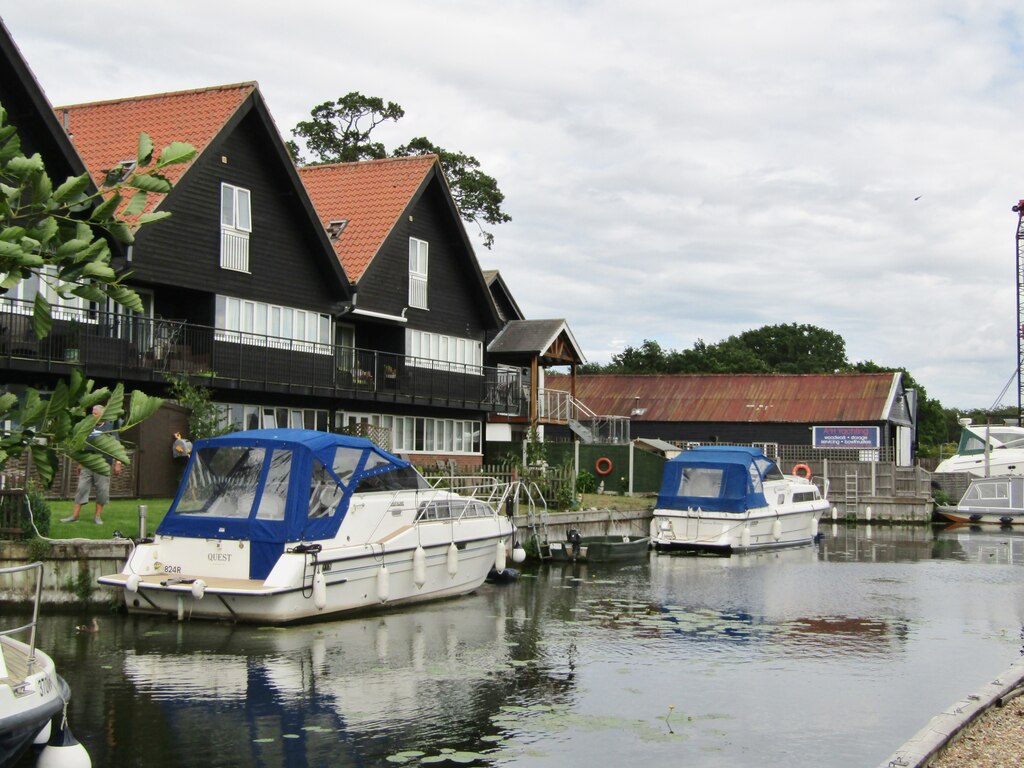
(285, 525)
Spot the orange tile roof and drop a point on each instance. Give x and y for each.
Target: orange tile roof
(371, 195)
(107, 132)
(805, 398)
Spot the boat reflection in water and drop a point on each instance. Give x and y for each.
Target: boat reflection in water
(350, 692)
(981, 543)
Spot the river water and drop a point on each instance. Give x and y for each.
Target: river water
(831, 655)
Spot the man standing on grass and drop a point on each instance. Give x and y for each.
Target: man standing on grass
(87, 479)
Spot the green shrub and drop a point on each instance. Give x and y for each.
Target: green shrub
(586, 482)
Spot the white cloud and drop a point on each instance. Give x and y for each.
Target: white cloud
(674, 171)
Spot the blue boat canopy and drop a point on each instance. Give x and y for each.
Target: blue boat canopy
(278, 486)
(717, 478)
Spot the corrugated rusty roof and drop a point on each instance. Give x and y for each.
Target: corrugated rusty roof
(370, 195)
(730, 398)
(106, 133)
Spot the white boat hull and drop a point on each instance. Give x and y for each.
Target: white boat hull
(351, 575)
(28, 702)
(695, 530)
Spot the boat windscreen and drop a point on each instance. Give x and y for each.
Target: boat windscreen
(222, 482)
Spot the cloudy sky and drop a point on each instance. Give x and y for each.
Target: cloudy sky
(675, 171)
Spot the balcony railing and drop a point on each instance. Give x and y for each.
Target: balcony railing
(144, 349)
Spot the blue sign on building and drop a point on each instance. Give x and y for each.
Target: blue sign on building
(847, 437)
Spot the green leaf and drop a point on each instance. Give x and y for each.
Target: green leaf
(42, 321)
(108, 444)
(149, 218)
(33, 410)
(136, 204)
(80, 432)
(72, 188)
(145, 152)
(12, 234)
(150, 182)
(45, 230)
(114, 408)
(71, 247)
(125, 296)
(89, 292)
(99, 271)
(7, 401)
(59, 400)
(107, 208)
(142, 406)
(91, 460)
(44, 462)
(175, 152)
(11, 251)
(122, 232)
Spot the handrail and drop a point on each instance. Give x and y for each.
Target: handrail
(38, 566)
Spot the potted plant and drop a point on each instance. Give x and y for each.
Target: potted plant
(72, 350)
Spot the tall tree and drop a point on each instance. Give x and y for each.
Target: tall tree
(59, 235)
(339, 131)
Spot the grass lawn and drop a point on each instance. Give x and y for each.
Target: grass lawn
(119, 515)
(123, 515)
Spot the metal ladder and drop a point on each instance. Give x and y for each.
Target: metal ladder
(851, 491)
(520, 491)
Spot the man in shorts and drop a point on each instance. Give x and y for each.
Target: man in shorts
(89, 480)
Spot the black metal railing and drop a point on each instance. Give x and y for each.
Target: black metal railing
(139, 348)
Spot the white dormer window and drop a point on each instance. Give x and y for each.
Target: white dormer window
(235, 227)
(417, 273)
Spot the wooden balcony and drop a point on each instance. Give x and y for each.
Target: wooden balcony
(140, 350)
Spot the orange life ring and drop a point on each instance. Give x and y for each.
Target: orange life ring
(603, 465)
(802, 470)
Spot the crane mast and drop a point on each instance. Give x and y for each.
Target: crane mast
(1019, 210)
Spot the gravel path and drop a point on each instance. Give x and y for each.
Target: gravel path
(994, 740)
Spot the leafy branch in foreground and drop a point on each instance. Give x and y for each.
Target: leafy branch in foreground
(60, 234)
(61, 424)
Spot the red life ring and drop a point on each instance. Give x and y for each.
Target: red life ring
(603, 465)
(802, 470)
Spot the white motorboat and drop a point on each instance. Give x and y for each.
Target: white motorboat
(32, 694)
(997, 500)
(287, 525)
(724, 499)
(987, 449)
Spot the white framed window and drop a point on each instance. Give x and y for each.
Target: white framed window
(256, 322)
(418, 273)
(450, 353)
(410, 434)
(70, 308)
(235, 227)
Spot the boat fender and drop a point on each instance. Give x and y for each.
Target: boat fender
(43, 737)
(802, 470)
(383, 584)
(64, 751)
(419, 567)
(453, 559)
(603, 466)
(198, 589)
(777, 529)
(499, 556)
(132, 585)
(319, 590)
(518, 553)
(814, 528)
(745, 538)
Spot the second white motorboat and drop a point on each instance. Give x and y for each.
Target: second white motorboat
(723, 499)
(287, 525)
